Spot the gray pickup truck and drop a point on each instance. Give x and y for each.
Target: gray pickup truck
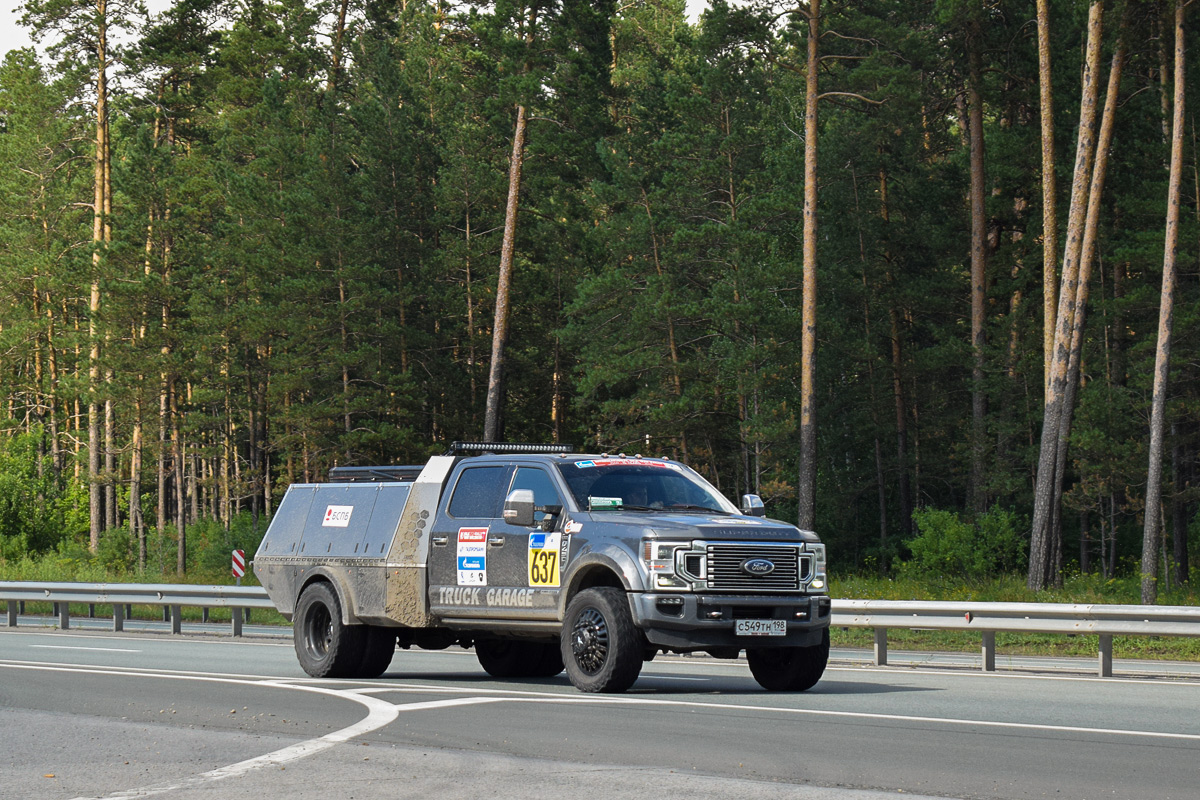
(542, 559)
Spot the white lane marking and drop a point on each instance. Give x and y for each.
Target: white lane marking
(380, 713)
(517, 696)
(91, 634)
(870, 716)
(970, 672)
(67, 647)
(672, 677)
(856, 666)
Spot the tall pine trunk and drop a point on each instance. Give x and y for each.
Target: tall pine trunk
(95, 487)
(1043, 548)
(1049, 192)
(979, 246)
(807, 494)
(493, 424)
(1152, 525)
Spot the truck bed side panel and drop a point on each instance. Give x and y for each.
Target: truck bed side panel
(406, 563)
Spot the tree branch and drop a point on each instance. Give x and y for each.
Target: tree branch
(823, 95)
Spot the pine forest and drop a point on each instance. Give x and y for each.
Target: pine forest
(923, 274)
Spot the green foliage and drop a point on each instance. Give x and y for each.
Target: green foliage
(306, 228)
(38, 510)
(209, 555)
(949, 548)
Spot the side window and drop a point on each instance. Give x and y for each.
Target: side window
(544, 493)
(479, 492)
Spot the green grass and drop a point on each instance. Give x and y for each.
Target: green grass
(1009, 589)
(1084, 589)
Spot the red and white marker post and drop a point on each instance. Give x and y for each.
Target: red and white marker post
(239, 565)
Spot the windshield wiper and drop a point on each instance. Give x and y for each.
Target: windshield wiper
(690, 507)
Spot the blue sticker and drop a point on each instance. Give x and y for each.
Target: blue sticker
(537, 541)
(470, 562)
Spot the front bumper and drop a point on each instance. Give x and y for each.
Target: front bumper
(687, 622)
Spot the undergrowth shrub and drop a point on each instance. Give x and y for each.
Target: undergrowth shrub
(949, 546)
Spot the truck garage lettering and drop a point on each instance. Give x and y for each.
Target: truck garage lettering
(500, 598)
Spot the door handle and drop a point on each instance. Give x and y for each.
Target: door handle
(440, 541)
(496, 541)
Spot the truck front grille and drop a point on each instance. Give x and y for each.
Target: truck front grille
(725, 572)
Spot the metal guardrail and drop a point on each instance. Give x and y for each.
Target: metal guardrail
(121, 596)
(1104, 621)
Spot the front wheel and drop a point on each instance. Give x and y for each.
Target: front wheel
(600, 646)
(325, 647)
(789, 669)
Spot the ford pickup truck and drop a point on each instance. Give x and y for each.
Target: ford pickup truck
(543, 559)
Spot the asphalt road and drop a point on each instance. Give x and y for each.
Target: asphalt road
(87, 714)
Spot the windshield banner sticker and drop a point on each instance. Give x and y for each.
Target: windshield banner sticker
(603, 502)
(472, 556)
(624, 462)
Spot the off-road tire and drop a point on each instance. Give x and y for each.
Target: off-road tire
(601, 648)
(378, 648)
(325, 647)
(789, 669)
(509, 658)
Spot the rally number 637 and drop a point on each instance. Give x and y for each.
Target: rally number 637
(543, 560)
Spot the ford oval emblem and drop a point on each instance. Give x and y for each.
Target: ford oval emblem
(758, 566)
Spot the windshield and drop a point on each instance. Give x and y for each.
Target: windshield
(640, 485)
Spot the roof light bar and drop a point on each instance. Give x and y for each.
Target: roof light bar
(463, 448)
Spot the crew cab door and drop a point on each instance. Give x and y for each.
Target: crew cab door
(528, 571)
(480, 565)
(462, 543)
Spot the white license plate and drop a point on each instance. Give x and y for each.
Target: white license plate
(760, 627)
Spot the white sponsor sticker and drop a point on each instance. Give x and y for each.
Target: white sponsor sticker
(472, 556)
(337, 516)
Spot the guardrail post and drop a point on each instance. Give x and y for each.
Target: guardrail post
(129, 611)
(166, 613)
(989, 651)
(237, 621)
(204, 614)
(12, 613)
(176, 619)
(64, 615)
(881, 647)
(91, 610)
(1105, 655)
(118, 617)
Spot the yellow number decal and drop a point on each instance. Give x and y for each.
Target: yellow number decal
(543, 563)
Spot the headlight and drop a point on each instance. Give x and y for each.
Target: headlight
(818, 576)
(661, 558)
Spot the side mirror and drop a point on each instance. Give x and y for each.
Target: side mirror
(518, 508)
(752, 506)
